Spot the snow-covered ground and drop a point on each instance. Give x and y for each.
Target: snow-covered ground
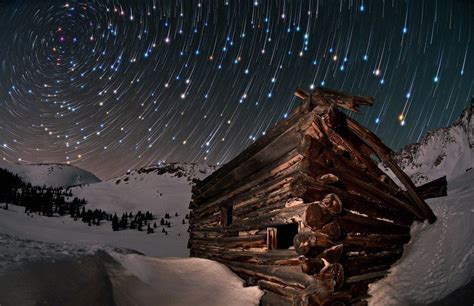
(66, 230)
(64, 274)
(439, 257)
(160, 190)
(51, 175)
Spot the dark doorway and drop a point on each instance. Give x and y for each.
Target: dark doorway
(281, 236)
(226, 216)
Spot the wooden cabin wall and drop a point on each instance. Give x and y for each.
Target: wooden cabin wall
(352, 219)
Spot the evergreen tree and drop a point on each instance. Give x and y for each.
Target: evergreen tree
(115, 223)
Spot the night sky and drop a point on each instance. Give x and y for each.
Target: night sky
(115, 85)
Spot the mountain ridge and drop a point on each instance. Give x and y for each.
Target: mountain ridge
(428, 159)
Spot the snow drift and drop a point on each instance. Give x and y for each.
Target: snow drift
(68, 275)
(439, 257)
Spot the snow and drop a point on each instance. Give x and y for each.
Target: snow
(52, 175)
(439, 257)
(160, 189)
(61, 274)
(65, 230)
(187, 281)
(447, 151)
(15, 251)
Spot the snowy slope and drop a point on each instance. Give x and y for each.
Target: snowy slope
(65, 230)
(51, 175)
(439, 257)
(158, 189)
(447, 151)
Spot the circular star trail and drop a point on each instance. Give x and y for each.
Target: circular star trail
(115, 85)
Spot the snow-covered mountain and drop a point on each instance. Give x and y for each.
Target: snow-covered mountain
(446, 151)
(158, 189)
(51, 175)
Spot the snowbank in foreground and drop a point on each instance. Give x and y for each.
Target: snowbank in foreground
(63, 274)
(186, 281)
(439, 257)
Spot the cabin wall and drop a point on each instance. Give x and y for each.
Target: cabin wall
(346, 220)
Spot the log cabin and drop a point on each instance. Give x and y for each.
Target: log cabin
(304, 212)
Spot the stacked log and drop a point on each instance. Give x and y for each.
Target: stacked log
(312, 177)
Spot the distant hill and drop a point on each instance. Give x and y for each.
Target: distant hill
(158, 189)
(51, 175)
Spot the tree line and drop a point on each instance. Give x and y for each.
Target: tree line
(49, 201)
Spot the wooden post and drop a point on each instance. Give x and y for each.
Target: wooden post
(272, 242)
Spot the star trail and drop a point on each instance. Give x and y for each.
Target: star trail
(115, 85)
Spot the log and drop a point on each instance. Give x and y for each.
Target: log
(316, 215)
(368, 258)
(279, 140)
(434, 189)
(329, 178)
(333, 230)
(311, 266)
(311, 243)
(367, 276)
(384, 154)
(289, 276)
(274, 258)
(373, 241)
(305, 187)
(355, 223)
(332, 254)
(333, 203)
(356, 185)
(249, 191)
(332, 276)
(315, 294)
(286, 215)
(341, 165)
(273, 172)
(245, 242)
(332, 97)
(279, 289)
